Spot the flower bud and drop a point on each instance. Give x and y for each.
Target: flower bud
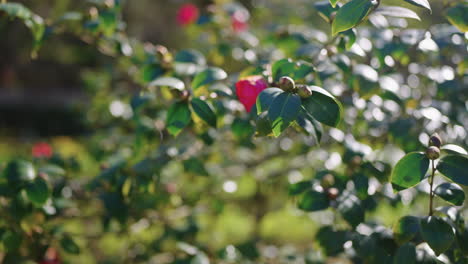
(433, 152)
(304, 91)
(332, 193)
(327, 181)
(435, 140)
(287, 84)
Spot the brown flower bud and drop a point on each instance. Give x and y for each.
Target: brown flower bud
(435, 140)
(333, 193)
(304, 91)
(287, 84)
(433, 152)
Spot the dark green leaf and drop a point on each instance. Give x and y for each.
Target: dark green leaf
(457, 16)
(204, 111)
(178, 117)
(263, 125)
(351, 209)
(462, 239)
(409, 171)
(196, 166)
(283, 110)
(405, 254)
(299, 187)
(242, 128)
(208, 76)
(38, 191)
(313, 201)
(286, 67)
(454, 167)
(453, 149)
(437, 233)
(190, 56)
(325, 10)
(11, 240)
(350, 15)
(266, 97)
(310, 125)
(397, 11)
(323, 107)
(20, 171)
(420, 3)
(406, 229)
(69, 245)
(451, 193)
(169, 82)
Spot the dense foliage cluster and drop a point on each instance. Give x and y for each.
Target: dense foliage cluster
(261, 142)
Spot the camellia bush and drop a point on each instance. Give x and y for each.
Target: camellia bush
(264, 139)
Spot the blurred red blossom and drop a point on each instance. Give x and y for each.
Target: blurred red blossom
(249, 88)
(51, 257)
(239, 21)
(42, 150)
(187, 14)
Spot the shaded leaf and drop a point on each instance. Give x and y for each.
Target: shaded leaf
(456, 15)
(437, 233)
(38, 191)
(313, 201)
(406, 229)
(178, 117)
(323, 107)
(69, 245)
(204, 111)
(451, 193)
(405, 254)
(350, 15)
(283, 110)
(208, 76)
(409, 171)
(266, 97)
(455, 168)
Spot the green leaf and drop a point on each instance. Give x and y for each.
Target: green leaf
(350, 36)
(11, 240)
(462, 239)
(333, 2)
(310, 125)
(266, 97)
(405, 254)
(456, 15)
(286, 67)
(204, 111)
(38, 191)
(409, 171)
(19, 171)
(169, 82)
(313, 201)
(453, 149)
(397, 11)
(351, 209)
(52, 170)
(189, 62)
(196, 166)
(323, 107)
(325, 10)
(406, 229)
(454, 167)
(299, 187)
(350, 15)
(283, 110)
(178, 117)
(437, 233)
(451, 193)
(69, 245)
(208, 76)
(34, 22)
(420, 3)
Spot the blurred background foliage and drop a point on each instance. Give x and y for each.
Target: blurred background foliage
(122, 190)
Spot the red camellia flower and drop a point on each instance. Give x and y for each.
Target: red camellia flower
(248, 88)
(187, 14)
(42, 150)
(239, 21)
(51, 257)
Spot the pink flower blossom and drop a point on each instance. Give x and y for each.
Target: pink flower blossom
(187, 14)
(249, 88)
(42, 150)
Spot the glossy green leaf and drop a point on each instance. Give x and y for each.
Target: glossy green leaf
(38, 191)
(406, 229)
(451, 193)
(299, 187)
(350, 15)
(455, 168)
(456, 15)
(204, 111)
(351, 209)
(453, 149)
(437, 233)
(190, 56)
(286, 67)
(69, 245)
(178, 117)
(420, 3)
(19, 171)
(208, 76)
(397, 11)
(409, 171)
(169, 82)
(334, 2)
(310, 125)
(313, 201)
(324, 107)
(405, 254)
(325, 10)
(266, 97)
(283, 110)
